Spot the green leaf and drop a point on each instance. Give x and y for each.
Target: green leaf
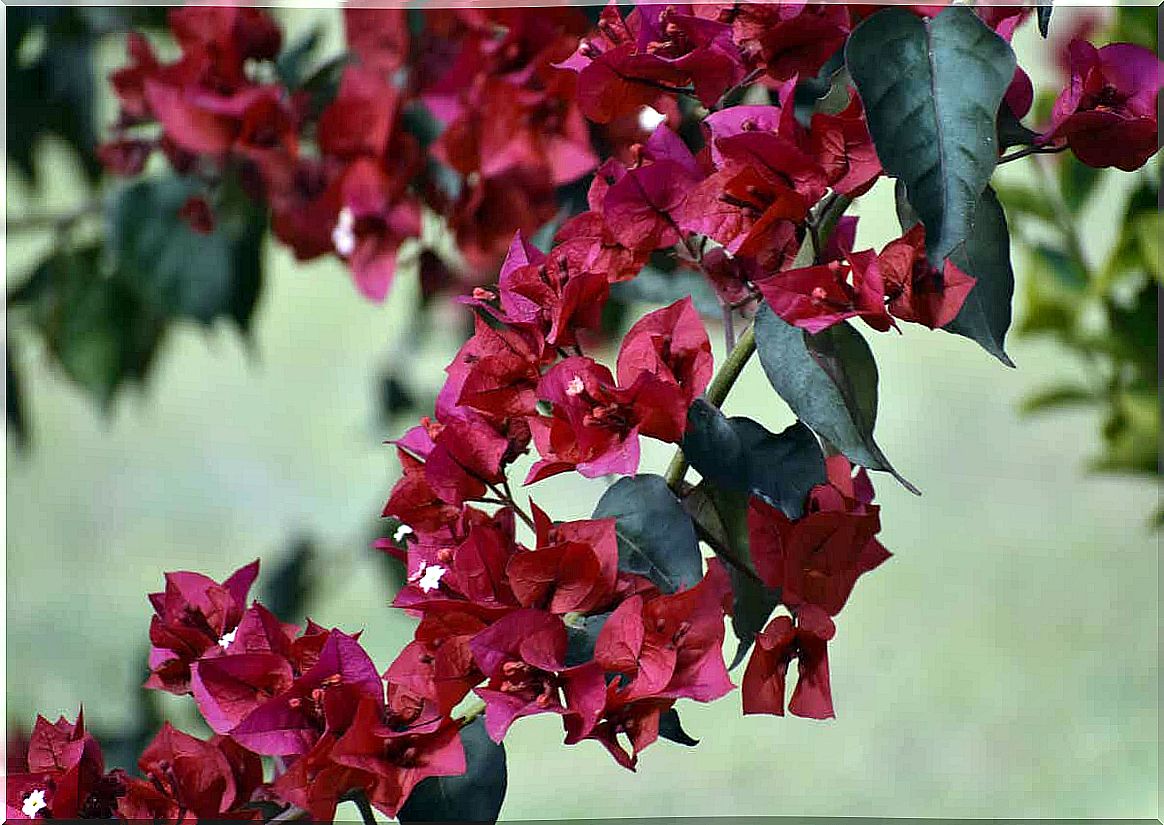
(1044, 14)
(1058, 398)
(656, 538)
(1077, 182)
(830, 382)
(182, 272)
(291, 65)
(671, 728)
(99, 331)
(655, 286)
(931, 91)
(474, 796)
(581, 636)
(1026, 202)
(721, 518)
(985, 254)
(741, 455)
(15, 413)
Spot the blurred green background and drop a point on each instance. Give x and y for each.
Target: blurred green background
(1003, 664)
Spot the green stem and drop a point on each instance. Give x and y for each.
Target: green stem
(828, 212)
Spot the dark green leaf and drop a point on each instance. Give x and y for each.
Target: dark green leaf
(671, 729)
(291, 65)
(474, 796)
(287, 590)
(99, 331)
(741, 455)
(52, 92)
(1044, 13)
(931, 91)
(656, 538)
(14, 402)
(1011, 131)
(581, 636)
(182, 272)
(985, 254)
(830, 382)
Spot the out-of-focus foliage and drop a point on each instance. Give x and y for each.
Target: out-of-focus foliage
(1104, 312)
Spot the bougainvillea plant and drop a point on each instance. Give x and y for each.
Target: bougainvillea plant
(723, 140)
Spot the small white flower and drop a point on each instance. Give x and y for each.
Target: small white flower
(431, 578)
(227, 638)
(402, 531)
(33, 803)
(575, 387)
(343, 237)
(649, 118)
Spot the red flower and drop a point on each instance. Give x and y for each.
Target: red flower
(671, 345)
(817, 297)
(844, 149)
(194, 614)
(915, 290)
(817, 559)
(626, 63)
(377, 37)
(65, 776)
(573, 569)
(776, 646)
(398, 752)
(184, 775)
(790, 38)
(1107, 114)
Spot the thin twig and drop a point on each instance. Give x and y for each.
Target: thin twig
(1032, 150)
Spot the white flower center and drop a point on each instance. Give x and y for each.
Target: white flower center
(227, 638)
(649, 118)
(402, 531)
(575, 387)
(343, 237)
(33, 803)
(430, 579)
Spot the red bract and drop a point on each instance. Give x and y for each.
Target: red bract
(188, 776)
(65, 776)
(1107, 115)
(817, 559)
(843, 148)
(194, 614)
(592, 428)
(776, 646)
(573, 569)
(915, 290)
(671, 345)
(397, 751)
(817, 297)
(627, 62)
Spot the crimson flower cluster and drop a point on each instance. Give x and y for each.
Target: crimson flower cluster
(685, 127)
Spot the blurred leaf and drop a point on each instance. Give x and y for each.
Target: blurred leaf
(671, 729)
(100, 332)
(656, 538)
(51, 91)
(182, 272)
(1148, 229)
(1131, 435)
(985, 315)
(1024, 201)
(1137, 24)
(1058, 398)
(474, 796)
(654, 286)
(1077, 182)
(287, 590)
(830, 382)
(14, 401)
(291, 66)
